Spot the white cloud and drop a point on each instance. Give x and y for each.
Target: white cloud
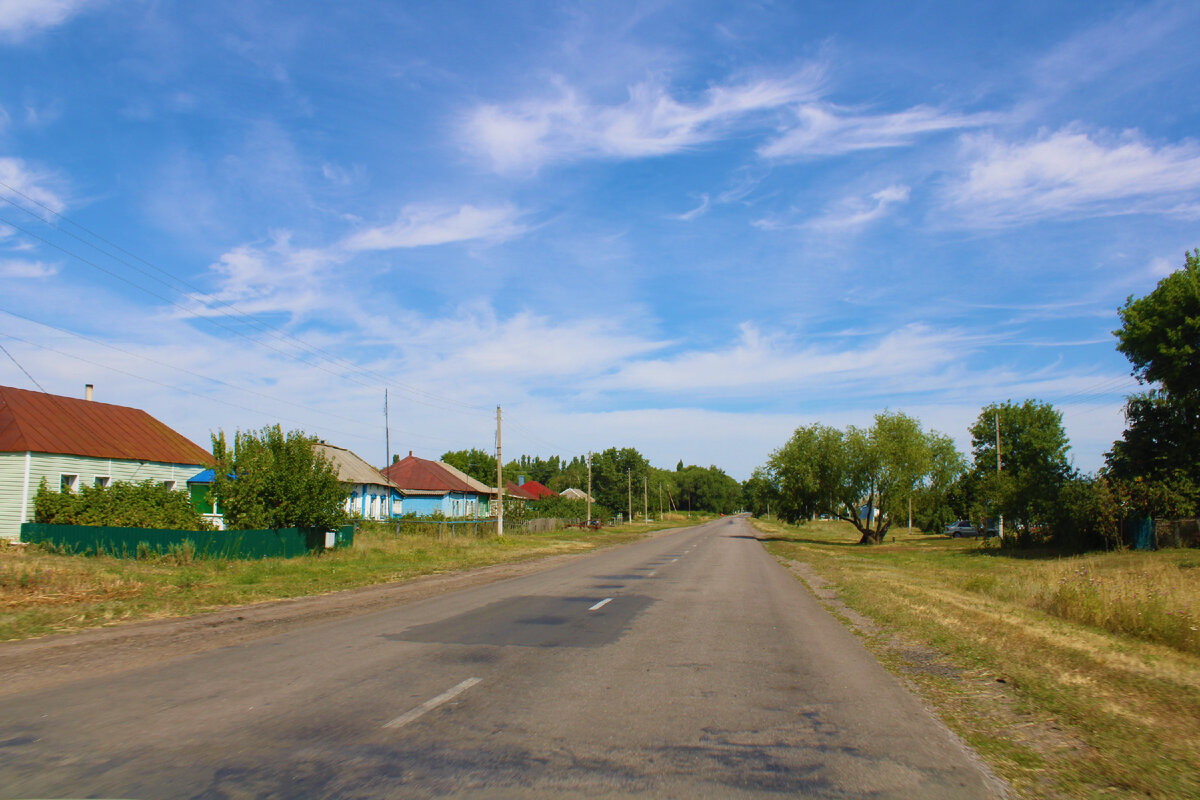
(18, 268)
(825, 130)
(688, 216)
(756, 361)
(423, 226)
(857, 212)
(20, 18)
(16, 174)
(276, 277)
(651, 122)
(1070, 173)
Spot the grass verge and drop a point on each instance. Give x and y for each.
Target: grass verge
(43, 592)
(1071, 676)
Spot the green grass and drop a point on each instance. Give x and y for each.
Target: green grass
(43, 592)
(1072, 676)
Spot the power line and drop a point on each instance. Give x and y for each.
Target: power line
(27, 375)
(208, 299)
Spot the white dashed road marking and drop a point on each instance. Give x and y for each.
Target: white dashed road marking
(431, 704)
(601, 604)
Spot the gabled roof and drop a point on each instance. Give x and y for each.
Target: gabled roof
(48, 423)
(477, 486)
(512, 490)
(538, 489)
(574, 494)
(350, 468)
(425, 476)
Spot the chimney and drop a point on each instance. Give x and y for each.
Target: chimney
(520, 480)
(87, 391)
(410, 453)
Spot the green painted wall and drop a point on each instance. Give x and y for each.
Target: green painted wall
(123, 542)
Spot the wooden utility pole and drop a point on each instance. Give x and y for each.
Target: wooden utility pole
(645, 499)
(660, 514)
(589, 494)
(387, 445)
(499, 479)
(629, 480)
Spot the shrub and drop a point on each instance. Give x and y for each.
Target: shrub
(148, 504)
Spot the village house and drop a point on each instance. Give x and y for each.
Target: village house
(71, 443)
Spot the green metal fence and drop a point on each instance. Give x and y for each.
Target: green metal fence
(126, 542)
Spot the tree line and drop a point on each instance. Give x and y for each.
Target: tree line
(896, 470)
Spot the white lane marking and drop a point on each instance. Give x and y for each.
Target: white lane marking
(601, 604)
(673, 560)
(651, 574)
(432, 703)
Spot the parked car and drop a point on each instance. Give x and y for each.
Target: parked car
(960, 529)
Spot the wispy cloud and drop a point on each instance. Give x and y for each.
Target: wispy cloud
(827, 130)
(20, 18)
(17, 268)
(425, 225)
(688, 216)
(651, 122)
(19, 176)
(1072, 173)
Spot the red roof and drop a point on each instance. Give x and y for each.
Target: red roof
(49, 423)
(423, 475)
(512, 490)
(538, 490)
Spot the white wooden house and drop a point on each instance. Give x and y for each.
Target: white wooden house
(72, 443)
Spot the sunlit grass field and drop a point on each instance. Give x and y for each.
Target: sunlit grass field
(43, 592)
(1073, 676)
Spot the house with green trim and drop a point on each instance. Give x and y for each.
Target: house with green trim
(71, 443)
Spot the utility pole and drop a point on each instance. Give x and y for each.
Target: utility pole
(499, 479)
(660, 514)
(629, 480)
(645, 499)
(1000, 527)
(387, 444)
(910, 514)
(589, 494)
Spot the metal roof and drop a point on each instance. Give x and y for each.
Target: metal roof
(413, 474)
(513, 490)
(350, 468)
(538, 489)
(48, 423)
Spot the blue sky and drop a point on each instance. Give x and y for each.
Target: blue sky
(684, 227)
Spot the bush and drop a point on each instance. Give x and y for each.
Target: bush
(148, 504)
(1087, 515)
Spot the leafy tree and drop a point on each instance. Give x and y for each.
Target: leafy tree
(706, 489)
(1160, 335)
(864, 476)
(759, 493)
(1033, 463)
(148, 504)
(613, 473)
(477, 463)
(269, 480)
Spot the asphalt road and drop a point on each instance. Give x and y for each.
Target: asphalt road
(687, 665)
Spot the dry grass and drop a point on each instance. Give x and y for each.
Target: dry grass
(43, 592)
(1073, 677)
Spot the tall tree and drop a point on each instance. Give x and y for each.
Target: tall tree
(864, 476)
(1033, 462)
(479, 464)
(1160, 335)
(272, 480)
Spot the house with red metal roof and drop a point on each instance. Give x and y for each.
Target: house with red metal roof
(536, 489)
(427, 488)
(72, 443)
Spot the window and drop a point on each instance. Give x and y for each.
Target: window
(101, 481)
(169, 485)
(68, 483)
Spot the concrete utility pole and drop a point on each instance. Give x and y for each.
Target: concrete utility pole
(1000, 527)
(645, 499)
(629, 480)
(499, 479)
(589, 494)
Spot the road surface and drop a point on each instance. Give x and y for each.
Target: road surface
(686, 665)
